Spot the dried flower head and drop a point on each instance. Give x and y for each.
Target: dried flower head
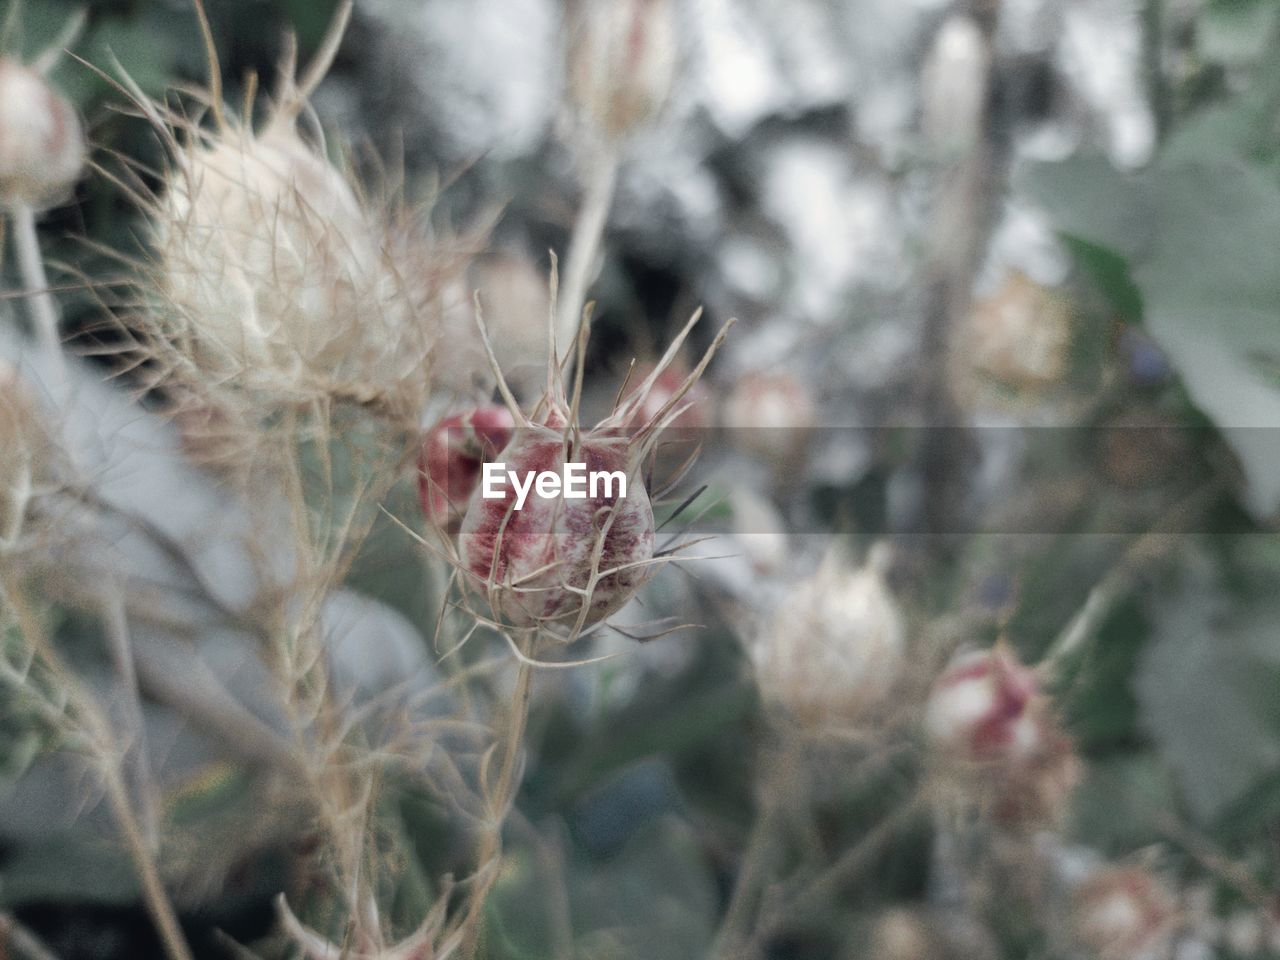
(272, 274)
(997, 741)
(834, 648)
(42, 146)
(622, 63)
(1020, 336)
(558, 564)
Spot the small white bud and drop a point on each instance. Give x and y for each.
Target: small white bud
(42, 146)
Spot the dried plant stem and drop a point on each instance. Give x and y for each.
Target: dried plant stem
(44, 313)
(499, 801)
(116, 624)
(20, 943)
(821, 888)
(740, 921)
(106, 751)
(161, 909)
(1108, 592)
(584, 244)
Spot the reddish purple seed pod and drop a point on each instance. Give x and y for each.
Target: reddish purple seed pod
(558, 562)
(453, 454)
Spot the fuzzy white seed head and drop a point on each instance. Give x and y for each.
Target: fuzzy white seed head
(834, 648)
(42, 146)
(277, 272)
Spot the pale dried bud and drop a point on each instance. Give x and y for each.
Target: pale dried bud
(268, 256)
(1020, 335)
(901, 935)
(770, 416)
(834, 649)
(622, 63)
(1124, 913)
(42, 146)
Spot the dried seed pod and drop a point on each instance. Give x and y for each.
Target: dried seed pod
(271, 273)
(1020, 335)
(1124, 913)
(997, 740)
(560, 563)
(622, 63)
(769, 416)
(556, 561)
(834, 649)
(453, 453)
(42, 146)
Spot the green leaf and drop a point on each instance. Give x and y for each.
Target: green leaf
(1200, 232)
(1206, 689)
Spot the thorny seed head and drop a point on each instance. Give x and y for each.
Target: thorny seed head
(1124, 913)
(622, 63)
(562, 565)
(834, 649)
(42, 146)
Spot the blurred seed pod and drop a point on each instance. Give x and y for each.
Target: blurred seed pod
(834, 649)
(453, 453)
(769, 416)
(982, 708)
(696, 407)
(42, 145)
(1124, 913)
(997, 744)
(1019, 336)
(622, 63)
